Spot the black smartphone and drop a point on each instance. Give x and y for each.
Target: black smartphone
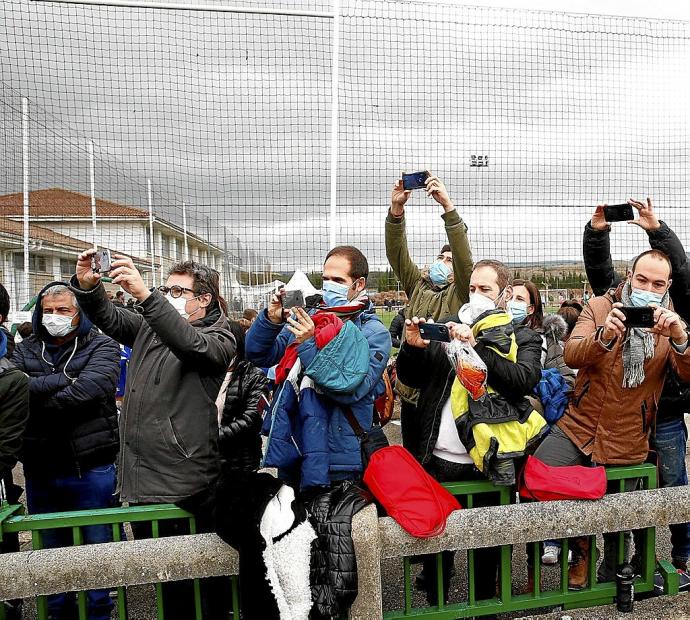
(638, 316)
(292, 299)
(101, 262)
(415, 180)
(619, 213)
(434, 331)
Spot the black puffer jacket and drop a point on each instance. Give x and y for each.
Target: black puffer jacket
(333, 571)
(73, 419)
(239, 439)
(596, 246)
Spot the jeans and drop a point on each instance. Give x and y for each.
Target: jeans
(95, 488)
(670, 442)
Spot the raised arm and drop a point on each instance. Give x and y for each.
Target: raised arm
(397, 252)
(596, 250)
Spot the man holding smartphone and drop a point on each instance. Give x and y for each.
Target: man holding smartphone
(670, 434)
(437, 292)
(620, 379)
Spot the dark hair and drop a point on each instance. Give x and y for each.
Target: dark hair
(4, 303)
(534, 320)
(659, 255)
(502, 272)
(570, 315)
(206, 280)
(572, 303)
(25, 329)
(446, 248)
(250, 314)
(120, 294)
(238, 332)
(359, 267)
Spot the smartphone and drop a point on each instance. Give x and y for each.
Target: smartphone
(292, 299)
(415, 180)
(638, 316)
(101, 262)
(434, 331)
(619, 213)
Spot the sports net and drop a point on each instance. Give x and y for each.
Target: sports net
(530, 118)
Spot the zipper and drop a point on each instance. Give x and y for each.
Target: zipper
(159, 371)
(433, 422)
(643, 411)
(178, 443)
(582, 394)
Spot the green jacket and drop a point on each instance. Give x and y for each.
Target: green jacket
(425, 298)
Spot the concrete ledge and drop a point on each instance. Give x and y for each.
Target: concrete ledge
(529, 522)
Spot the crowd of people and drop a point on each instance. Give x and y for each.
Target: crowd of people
(579, 386)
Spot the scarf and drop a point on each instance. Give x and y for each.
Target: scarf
(353, 309)
(638, 345)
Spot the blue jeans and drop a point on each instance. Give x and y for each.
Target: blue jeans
(670, 442)
(95, 488)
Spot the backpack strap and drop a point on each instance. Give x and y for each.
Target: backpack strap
(356, 427)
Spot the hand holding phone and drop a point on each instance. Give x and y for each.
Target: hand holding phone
(101, 262)
(292, 299)
(636, 316)
(415, 180)
(618, 213)
(438, 332)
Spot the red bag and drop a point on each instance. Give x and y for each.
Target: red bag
(418, 503)
(544, 482)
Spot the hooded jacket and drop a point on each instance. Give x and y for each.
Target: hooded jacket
(596, 245)
(169, 418)
(72, 424)
(606, 421)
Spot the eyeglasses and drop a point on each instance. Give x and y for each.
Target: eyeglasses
(174, 290)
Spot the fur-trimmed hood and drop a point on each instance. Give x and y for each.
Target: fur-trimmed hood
(554, 325)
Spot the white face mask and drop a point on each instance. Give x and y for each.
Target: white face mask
(180, 304)
(479, 304)
(57, 325)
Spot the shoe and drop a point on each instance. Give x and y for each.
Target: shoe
(550, 555)
(683, 582)
(578, 572)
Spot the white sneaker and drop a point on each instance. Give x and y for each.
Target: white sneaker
(551, 553)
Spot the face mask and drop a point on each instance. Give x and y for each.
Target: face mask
(439, 273)
(57, 325)
(518, 310)
(479, 304)
(180, 304)
(335, 294)
(639, 298)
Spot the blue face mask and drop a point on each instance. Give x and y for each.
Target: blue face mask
(439, 273)
(518, 310)
(639, 298)
(334, 294)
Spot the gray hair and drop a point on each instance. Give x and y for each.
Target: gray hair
(60, 289)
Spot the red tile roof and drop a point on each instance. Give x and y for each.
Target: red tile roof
(57, 202)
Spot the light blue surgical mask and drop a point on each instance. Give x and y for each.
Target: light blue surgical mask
(439, 273)
(640, 298)
(518, 310)
(334, 294)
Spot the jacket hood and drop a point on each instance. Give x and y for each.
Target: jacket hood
(555, 324)
(84, 327)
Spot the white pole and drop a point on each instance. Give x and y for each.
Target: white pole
(153, 250)
(92, 180)
(25, 165)
(184, 230)
(189, 6)
(332, 220)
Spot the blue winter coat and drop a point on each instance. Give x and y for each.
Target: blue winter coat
(314, 442)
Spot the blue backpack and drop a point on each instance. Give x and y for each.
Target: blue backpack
(553, 392)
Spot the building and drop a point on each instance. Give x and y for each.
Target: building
(61, 226)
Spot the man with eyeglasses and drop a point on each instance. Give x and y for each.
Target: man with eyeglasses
(181, 349)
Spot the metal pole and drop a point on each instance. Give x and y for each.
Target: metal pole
(188, 6)
(92, 181)
(153, 250)
(332, 220)
(25, 169)
(184, 229)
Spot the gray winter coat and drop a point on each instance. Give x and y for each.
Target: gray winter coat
(168, 422)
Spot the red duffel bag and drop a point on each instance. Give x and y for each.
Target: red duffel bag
(543, 482)
(418, 503)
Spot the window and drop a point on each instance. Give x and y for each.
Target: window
(67, 267)
(166, 246)
(37, 264)
(179, 243)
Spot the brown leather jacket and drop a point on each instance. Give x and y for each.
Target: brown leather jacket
(606, 421)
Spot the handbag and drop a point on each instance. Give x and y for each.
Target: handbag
(417, 502)
(543, 482)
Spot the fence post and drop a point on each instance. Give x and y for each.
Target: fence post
(365, 535)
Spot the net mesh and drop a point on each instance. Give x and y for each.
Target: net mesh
(530, 119)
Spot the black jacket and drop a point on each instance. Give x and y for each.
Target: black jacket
(430, 371)
(169, 418)
(239, 439)
(596, 248)
(73, 419)
(397, 328)
(14, 413)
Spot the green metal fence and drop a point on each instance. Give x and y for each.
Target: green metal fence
(13, 521)
(505, 600)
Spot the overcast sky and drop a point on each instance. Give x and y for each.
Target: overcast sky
(231, 113)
